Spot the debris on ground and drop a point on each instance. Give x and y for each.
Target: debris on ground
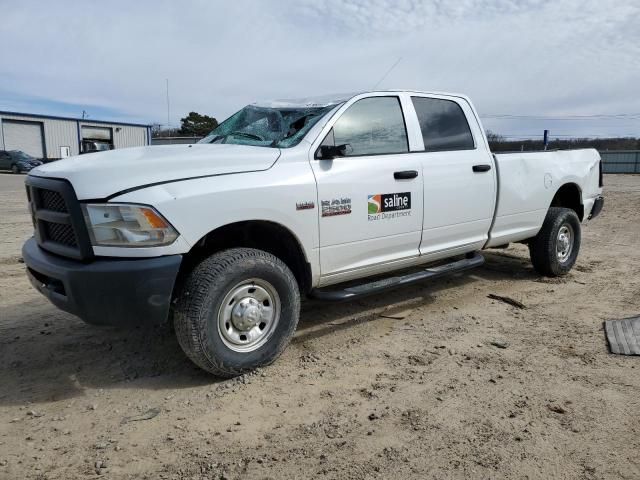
(556, 409)
(148, 415)
(623, 335)
(509, 300)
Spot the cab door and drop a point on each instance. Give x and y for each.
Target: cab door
(369, 193)
(459, 177)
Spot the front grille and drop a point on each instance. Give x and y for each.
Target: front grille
(61, 233)
(57, 218)
(52, 201)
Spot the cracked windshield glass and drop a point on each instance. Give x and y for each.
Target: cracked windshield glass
(266, 126)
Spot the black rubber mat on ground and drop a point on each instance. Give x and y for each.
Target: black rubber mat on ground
(623, 335)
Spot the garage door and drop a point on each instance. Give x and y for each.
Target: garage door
(25, 136)
(96, 133)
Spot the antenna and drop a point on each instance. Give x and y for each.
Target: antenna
(388, 72)
(168, 110)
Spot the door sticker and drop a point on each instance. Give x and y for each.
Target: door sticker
(336, 206)
(385, 206)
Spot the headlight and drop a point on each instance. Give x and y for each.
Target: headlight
(126, 225)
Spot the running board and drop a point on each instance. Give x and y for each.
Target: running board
(350, 293)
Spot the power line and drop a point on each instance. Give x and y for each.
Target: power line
(538, 135)
(602, 116)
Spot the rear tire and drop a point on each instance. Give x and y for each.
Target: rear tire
(555, 248)
(15, 169)
(236, 311)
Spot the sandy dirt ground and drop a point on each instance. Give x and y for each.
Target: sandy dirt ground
(409, 384)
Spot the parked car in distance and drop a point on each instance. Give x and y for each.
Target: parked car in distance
(17, 161)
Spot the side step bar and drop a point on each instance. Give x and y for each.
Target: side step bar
(356, 291)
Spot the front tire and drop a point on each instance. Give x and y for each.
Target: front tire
(555, 248)
(236, 311)
(15, 169)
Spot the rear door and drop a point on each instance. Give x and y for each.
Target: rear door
(459, 176)
(370, 199)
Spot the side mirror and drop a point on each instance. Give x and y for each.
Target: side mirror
(329, 152)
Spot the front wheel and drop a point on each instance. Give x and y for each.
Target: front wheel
(236, 311)
(555, 249)
(15, 168)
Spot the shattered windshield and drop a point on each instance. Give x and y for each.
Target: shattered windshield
(266, 126)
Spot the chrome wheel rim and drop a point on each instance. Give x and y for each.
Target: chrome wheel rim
(249, 315)
(564, 243)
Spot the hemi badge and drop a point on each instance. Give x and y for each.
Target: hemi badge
(305, 205)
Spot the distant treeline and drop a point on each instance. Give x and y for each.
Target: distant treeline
(501, 144)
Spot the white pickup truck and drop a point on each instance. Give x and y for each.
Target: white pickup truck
(291, 198)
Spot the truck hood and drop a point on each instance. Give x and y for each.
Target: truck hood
(102, 174)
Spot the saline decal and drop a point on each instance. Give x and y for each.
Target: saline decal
(389, 205)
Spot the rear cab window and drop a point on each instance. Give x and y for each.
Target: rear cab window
(443, 125)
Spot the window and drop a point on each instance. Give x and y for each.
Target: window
(267, 127)
(371, 126)
(443, 124)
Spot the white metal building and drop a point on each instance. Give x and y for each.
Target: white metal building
(50, 137)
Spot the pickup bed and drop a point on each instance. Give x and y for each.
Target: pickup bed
(290, 198)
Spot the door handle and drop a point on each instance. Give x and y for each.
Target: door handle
(405, 174)
(481, 168)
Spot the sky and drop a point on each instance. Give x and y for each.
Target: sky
(570, 66)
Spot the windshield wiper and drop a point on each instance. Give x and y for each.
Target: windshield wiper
(246, 134)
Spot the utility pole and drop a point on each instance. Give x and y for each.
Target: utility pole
(168, 109)
(546, 139)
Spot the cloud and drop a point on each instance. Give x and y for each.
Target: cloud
(519, 57)
(369, 17)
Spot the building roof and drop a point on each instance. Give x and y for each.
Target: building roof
(86, 120)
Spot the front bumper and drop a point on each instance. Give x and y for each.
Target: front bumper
(597, 207)
(105, 291)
